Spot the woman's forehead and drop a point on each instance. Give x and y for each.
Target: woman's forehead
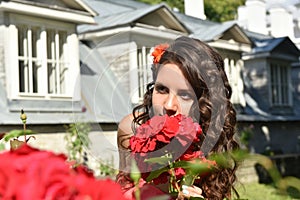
(171, 75)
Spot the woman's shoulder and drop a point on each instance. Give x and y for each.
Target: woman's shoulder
(125, 131)
(125, 123)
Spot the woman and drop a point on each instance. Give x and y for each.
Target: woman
(189, 79)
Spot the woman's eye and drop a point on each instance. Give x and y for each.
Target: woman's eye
(185, 96)
(161, 89)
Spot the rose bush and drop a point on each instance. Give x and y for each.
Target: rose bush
(29, 173)
(166, 150)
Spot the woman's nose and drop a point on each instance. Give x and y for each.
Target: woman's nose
(171, 105)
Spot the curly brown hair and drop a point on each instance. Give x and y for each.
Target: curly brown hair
(203, 67)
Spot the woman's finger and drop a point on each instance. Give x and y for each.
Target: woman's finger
(191, 191)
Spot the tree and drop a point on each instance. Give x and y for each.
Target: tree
(174, 4)
(215, 10)
(220, 10)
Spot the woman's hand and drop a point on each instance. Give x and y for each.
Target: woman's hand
(191, 191)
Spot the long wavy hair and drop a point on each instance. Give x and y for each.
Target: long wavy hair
(203, 67)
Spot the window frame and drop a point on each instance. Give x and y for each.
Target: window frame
(280, 84)
(70, 47)
(144, 65)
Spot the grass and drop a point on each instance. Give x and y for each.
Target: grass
(257, 191)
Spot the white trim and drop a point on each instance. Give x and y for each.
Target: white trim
(11, 61)
(256, 56)
(86, 7)
(233, 46)
(145, 30)
(12, 58)
(133, 73)
(46, 12)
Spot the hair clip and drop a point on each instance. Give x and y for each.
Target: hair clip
(159, 50)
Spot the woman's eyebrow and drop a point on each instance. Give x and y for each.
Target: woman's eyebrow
(159, 84)
(191, 92)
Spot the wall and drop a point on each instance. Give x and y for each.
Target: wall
(255, 77)
(282, 137)
(103, 147)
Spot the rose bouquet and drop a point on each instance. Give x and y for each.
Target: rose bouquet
(29, 173)
(166, 150)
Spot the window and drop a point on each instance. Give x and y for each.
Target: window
(280, 93)
(233, 68)
(144, 70)
(42, 60)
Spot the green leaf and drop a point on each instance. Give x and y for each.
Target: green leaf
(135, 173)
(2, 146)
(195, 167)
(17, 133)
(156, 173)
(159, 160)
(160, 197)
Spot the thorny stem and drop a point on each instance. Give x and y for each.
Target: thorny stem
(174, 182)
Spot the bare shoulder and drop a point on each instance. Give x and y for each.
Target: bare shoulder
(125, 131)
(125, 124)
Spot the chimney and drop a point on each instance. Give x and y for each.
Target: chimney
(254, 16)
(194, 8)
(242, 18)
(281, 22)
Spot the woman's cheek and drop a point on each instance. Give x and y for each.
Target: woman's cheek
(157, 104)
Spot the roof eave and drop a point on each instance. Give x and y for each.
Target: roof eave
(47, 12)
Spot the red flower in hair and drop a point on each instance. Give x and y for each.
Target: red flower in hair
(159, 50)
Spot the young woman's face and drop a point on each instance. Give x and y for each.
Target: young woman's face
(172, 92)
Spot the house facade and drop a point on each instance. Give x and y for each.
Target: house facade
(40, 58)
(258, 65)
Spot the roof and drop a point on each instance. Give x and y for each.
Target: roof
(283, 45)
(75, 11)
(110, 7)
(156, 15)
(206, 30)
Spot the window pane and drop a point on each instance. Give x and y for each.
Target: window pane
(62, 59)
(51, 79)
(21, 39)
(279, 84)
(35, 77)
(50, 44)
(21, 76)
(34, 38)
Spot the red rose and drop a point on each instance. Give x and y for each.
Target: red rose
(29, 173)
(188, 131)
(189, 155)
(161, 135)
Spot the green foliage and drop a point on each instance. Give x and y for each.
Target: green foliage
(246, 134)
(77, 139)
(220, 10)
(12, 137)
(179, 4)
(16, 133)
(215, 10)
(283, 184)
(283, 187)
(254, 190)
(106, 168)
